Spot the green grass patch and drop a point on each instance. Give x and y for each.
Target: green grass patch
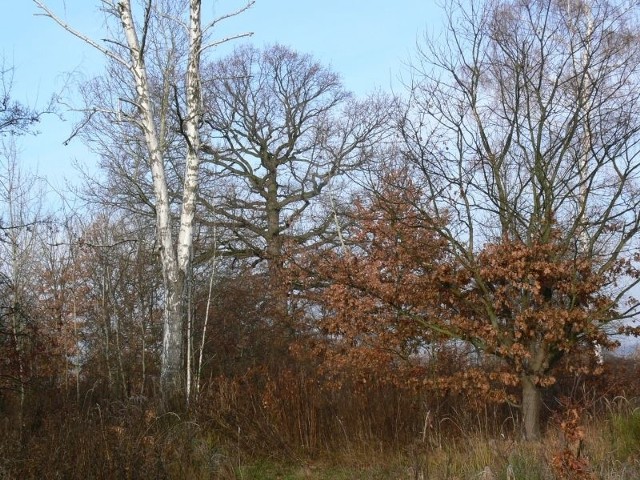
(625, 435)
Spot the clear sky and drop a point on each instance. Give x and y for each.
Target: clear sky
(366, 41)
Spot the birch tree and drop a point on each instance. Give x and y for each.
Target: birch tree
(135, 45)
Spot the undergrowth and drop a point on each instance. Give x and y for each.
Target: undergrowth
(131, 441)
(280, 425)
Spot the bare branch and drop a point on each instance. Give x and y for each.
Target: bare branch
(88, 40)
(225, 40)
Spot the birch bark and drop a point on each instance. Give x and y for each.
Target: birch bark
(175, 255)
(173, 260)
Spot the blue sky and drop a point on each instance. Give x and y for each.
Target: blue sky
(367, 41)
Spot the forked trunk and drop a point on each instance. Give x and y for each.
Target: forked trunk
(175, 256)
(531, 407)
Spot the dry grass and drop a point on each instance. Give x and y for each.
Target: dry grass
(132, 441)
(260, 425)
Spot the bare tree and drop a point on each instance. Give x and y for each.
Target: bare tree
(15, 117)
(281, 131)
(524, 126)
(135, 46)
(21, 220)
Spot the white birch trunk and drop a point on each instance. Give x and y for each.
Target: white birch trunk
(175, 258)
(175, 262)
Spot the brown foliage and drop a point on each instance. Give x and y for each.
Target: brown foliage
(544, 303)
(399, 295)
(378, 296)
(570, 463)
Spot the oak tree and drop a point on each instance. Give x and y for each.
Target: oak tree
(401, 288)
(281, 132)
(523, 127)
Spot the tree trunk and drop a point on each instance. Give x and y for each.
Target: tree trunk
(273, 210)
(175, 257)
(531, 407)
(172, 378)
(175, 260)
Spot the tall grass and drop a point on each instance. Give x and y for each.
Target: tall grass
(286, 424)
